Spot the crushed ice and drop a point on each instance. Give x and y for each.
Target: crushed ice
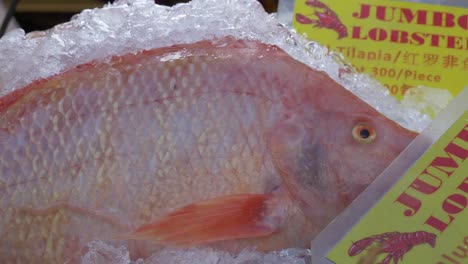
(102, 253)
(210, 256)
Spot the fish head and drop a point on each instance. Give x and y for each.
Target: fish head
(350, 149)
(331, 145)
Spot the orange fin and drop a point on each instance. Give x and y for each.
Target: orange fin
(223, 218)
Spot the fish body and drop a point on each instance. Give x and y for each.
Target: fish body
(230, 143)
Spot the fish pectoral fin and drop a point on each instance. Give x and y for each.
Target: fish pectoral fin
(222, 218)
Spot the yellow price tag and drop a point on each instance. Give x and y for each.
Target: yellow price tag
(401, 44)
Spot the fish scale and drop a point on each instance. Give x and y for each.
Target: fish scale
(204, 143)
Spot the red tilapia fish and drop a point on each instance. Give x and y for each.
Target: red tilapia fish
(227, 143)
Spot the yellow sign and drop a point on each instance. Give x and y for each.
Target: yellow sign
(401, 44)
(424, 216)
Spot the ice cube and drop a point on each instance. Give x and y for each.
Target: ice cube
(427, 100)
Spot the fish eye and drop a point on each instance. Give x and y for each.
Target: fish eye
(364, 133)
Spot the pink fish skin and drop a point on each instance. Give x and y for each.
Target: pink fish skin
(229, 143)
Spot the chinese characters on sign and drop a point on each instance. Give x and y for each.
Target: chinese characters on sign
(399, 43)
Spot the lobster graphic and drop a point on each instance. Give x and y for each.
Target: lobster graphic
(396, 244)
(326, 19)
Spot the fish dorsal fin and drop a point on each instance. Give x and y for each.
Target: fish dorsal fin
(222, 218)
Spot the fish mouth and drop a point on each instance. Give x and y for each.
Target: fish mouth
(407, 137)
(400, 144)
